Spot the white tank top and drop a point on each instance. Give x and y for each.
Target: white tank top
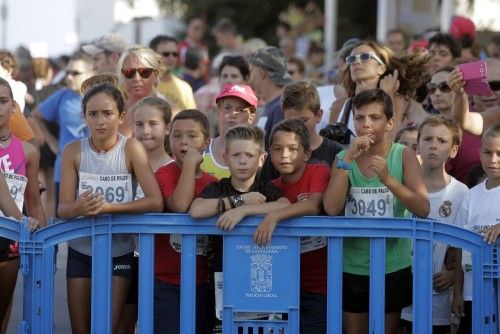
(107, 174)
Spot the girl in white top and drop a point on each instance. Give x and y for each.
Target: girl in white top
(96, 179)
(479, 212)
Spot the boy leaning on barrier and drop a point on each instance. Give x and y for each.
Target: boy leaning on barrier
(241, 194)
(180, 182)
(303, 184)
(392, 174)
(478, 212)
(438, 140)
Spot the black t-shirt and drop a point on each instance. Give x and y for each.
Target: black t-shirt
(224, 188)
(325, 153)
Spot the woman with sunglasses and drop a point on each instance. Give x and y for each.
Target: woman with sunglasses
(138, 70)
(440, 93)
(372, 65)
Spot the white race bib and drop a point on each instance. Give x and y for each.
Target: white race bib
(308, 244)
(201, 243)
(369, 202)
(139, 194)
(17, 187)
(114, 188)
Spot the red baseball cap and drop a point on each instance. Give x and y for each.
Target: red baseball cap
(461, 26)
(244, 92)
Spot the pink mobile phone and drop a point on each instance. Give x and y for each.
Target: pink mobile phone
(478, 88)
(476, 70)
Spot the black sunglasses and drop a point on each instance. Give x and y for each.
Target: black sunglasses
(73, 73)
(144, 72)
(494, 85)
(442, 86)
(168, 54)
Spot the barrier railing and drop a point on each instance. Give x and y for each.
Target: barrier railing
(255, 279)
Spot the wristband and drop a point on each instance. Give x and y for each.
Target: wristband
(341, 164)
(220, 206)
(232, 201)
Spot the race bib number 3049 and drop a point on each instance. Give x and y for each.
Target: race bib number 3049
(113, 188)
(369, 202)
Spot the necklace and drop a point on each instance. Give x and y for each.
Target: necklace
(104, 150)
(4, 140)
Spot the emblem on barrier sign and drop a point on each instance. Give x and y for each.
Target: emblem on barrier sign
(261, 271)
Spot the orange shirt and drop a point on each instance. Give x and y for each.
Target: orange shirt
(19, 126)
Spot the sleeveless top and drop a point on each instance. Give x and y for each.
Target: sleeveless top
(210, 166)
(13, 166)
(370, 198)
(107, 174)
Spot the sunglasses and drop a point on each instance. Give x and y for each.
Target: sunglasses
(494, 85)
(73, 73)
(363, 57)
(144, 72)
(442, 86)
(168, 54)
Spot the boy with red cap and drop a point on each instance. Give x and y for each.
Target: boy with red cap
(236, 104)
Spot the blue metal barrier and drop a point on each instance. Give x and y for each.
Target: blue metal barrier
(275, 288)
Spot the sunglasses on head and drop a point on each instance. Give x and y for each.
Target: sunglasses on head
(442, 86)
(364, 57)
(168, 54)
(144, 72)
(494, 85)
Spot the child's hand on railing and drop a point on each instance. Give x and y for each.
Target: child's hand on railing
(264, 232)
(228, 220)
(491, 234)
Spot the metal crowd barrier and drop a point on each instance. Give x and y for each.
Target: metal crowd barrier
(255, 279)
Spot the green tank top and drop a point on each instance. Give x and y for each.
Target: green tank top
(370, 198)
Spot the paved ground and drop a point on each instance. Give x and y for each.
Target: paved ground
(61, 319)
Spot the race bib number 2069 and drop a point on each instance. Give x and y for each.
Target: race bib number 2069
(114, 188)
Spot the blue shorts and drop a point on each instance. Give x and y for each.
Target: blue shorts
(167, 304)
(80, 265)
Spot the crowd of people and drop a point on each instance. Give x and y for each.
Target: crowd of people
(390, 131)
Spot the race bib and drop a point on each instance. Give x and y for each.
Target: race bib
(139, 194)
(114, 188)
(17, 186)
(201, 243)
(308, 244)
(369, 202)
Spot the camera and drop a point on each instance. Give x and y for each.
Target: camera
(338, 132)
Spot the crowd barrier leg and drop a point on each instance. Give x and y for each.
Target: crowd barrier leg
(101, 278)
(422, 286)
(188, 285)
(146, 283)
(334, 296)
(377, 286)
